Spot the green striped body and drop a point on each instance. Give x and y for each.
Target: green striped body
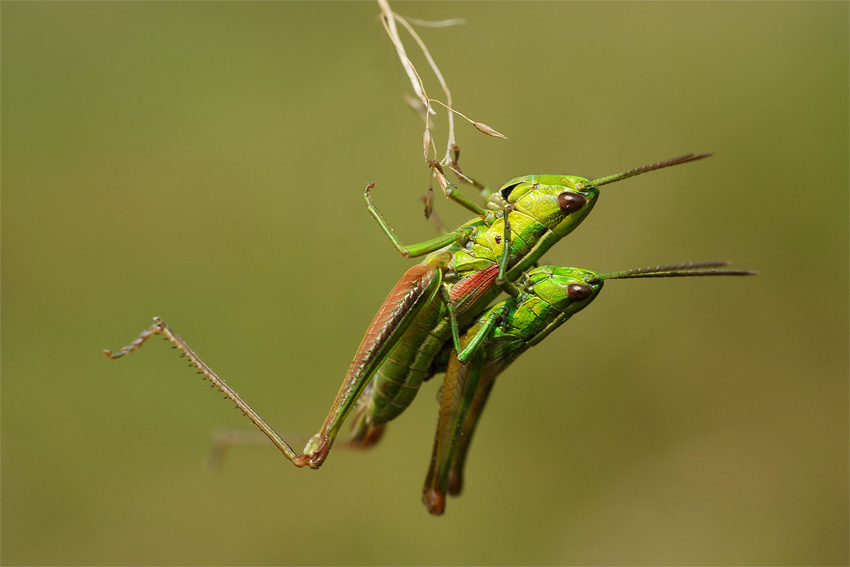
(471, 270)
(529, 318)
(550, 296)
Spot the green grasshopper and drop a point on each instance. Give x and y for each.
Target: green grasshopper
(548, 297)
(463, 272)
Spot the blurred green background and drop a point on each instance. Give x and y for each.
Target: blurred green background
(205, 162)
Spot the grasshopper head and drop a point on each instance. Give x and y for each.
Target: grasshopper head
(559, 202)
(568, 290)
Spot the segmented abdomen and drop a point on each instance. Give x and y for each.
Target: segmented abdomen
(398, 379)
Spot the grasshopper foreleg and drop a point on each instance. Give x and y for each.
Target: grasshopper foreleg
(461, 235)
(502, 281)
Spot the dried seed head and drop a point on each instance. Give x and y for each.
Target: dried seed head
(428, 199)
(487, 130)
(441, 179)
(426, 142)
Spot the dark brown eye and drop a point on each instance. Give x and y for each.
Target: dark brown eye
(571, 202)
(578, 292)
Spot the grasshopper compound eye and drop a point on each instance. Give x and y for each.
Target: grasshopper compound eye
(571, 202)
(578, 292)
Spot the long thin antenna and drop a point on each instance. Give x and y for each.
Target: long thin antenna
(645, 168)
(707, 268)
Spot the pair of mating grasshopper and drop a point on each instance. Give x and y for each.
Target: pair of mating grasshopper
(437, 318)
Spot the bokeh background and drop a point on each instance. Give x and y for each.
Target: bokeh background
(205, 162)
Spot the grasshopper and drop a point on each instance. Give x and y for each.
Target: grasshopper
(464, 270)
(548, 297)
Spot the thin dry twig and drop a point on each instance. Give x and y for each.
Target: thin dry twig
(424, 103)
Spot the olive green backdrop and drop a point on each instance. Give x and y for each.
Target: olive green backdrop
(205, 162)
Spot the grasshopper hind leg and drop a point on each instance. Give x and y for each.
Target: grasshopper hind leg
(465, 390)
(225, 439)
(160, 328)
(364, 435)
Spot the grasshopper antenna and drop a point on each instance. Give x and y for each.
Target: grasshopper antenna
(706, 268)
(644, 168)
